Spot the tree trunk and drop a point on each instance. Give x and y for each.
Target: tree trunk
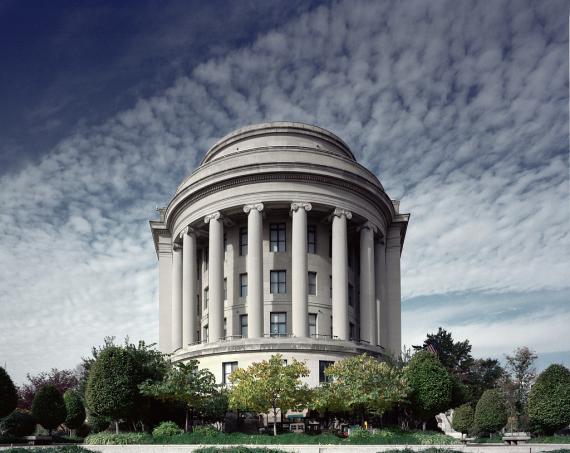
(116, 427)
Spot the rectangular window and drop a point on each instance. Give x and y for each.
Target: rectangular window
(277, 237)
(242, 285)
(323, 365)
(243, 326)
(206, 297)
(205, 335)
(312, 282)
(312, 324)
(278, 282)
(227, 369)
(243, 241)
(278, 324)
(312, 239)
(225, 289)
(350, 295)
(351, 332)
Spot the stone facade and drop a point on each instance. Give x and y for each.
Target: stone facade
(279, 242)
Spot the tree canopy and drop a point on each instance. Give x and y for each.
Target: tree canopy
(270, 385)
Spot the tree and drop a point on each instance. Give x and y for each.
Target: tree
(430, 385)
(522, 373)
(48, 407)
(74, 408)
(270, 384)
(463, 418)
(8, 394)
(490, 412)
(484, 374)
(112, 387)
(62, 380)
(361, 384)
(455, 356)
(549, 400)
(185, 383)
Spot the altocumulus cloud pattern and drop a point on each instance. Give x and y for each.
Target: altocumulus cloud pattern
(460, 108)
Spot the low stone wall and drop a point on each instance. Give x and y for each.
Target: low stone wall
(480, 448)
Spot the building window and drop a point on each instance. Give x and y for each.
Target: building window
(225, 289)
(243, 241)
(205, 335)
(227, 369)
(278, 324)
(351, 331)
(277, 237)
(312, 324)
(350, 295)
(278, 282)
(312, 239)
(243, 325)
(323, 365)
(206, 297)
(312, 281)
(242, 285)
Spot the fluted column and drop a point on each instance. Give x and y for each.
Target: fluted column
(176, 297)
(299, 293)
(216, 277)
(380, 271)
(368, 329)
(340, 273)
(189, 276)
(254, 266)
(393, 291)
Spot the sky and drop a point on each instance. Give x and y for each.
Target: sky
(459, 107)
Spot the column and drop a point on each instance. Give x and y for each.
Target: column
(368, 329)
(380, 271)
(189, 277)
(176, 297)
(254, 266)
(340, 273)
(393, 292)
(216, 277)
(299, 270)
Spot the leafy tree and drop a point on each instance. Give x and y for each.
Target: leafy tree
(19, 423)
(455, 356)
(491, 413)
(185, 383)
(549, 400)
(48, 407)
(361, 384)
(8, 394)
(522, 373)
(430, 384)
(62, 380)
(270, 384)
(74, 408)
(463, 418)
(484, 374)
(112, 387)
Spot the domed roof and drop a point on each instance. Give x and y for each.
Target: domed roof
(278, 134)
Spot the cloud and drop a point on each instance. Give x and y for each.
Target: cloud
(460, 109)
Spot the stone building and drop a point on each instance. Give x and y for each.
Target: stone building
(279, 242)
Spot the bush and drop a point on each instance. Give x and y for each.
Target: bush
(463, 418)
(74, 409)
(549, 400)
(118, 439)
(166, 429)
(48, 407)
(491, 413)
(19, 423)
(8, 394)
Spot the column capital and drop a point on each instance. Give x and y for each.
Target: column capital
(301, 205)
(213, 216)
(367, 226)
(185, 231)
(339, 212)
(176, 247)
(249, 207)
